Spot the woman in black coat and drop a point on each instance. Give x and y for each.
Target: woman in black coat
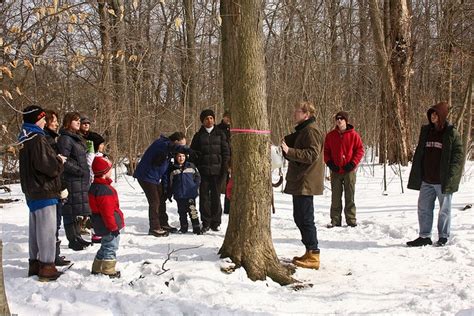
(76, 178)
(51, 134)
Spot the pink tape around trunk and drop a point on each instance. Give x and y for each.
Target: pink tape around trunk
(249, 131)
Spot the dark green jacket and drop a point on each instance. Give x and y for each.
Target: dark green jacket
(451, 160)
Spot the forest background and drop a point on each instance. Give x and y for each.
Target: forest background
(141, 68)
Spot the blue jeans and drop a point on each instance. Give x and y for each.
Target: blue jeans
(303, 214)
(426, 204)
(108, 248)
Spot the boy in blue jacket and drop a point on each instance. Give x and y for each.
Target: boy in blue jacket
(184, 180)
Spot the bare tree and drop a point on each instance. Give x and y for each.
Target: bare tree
(248, 241)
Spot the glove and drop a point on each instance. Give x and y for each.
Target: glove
(115, 233)
(332, 166)
(349, 167)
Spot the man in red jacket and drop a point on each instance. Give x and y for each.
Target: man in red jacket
(343, 151)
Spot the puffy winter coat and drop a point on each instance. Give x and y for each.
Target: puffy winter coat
(451, 160)
(52, 137)
(106, 214)
(76, 176)
(184, 181)
(154, 164)
(305, 175)
(343, 147)
(212, 154)
(40, 168)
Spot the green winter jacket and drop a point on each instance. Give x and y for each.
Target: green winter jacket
(451, 160)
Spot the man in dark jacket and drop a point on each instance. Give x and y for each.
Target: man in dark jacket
(212, 151)
(150, 172)
(305, 178)
(343, 151)
(40, 170)
(436, 173)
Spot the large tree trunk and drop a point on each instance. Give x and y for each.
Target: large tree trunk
(248, 241)
(394, 64)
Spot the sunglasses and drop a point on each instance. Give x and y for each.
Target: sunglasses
(339, 118)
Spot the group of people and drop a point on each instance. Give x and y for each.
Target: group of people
(52, 163)
(65, 174)
(168, 168)
(436, 172)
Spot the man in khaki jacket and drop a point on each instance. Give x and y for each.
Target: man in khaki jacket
(305, 178)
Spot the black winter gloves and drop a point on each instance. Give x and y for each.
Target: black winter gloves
(349, 167)
(115, 233)
(332, 166)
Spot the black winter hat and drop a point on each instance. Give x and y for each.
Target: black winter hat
(206, 113)
(344, 114)
(33, 114)
(96, 139)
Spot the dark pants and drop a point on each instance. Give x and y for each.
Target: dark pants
(185, 207)
(156, 204)
(343, 182)
(303, 214)
(209, 201)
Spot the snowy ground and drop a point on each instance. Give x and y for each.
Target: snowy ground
(364, 270)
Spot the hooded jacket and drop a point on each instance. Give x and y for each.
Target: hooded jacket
(343, 147)
(450, 155)
(305, 175)
(184, 181)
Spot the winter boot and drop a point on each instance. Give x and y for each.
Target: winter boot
(108, 268)
(60, 260)
(419, 242)
(71, 237)
(303, 257)
(79, 239)
(310, 262)
(96, 266)
(441, 242)
(33, 267)
(158, 233)
(169, 228)
(48, 272)
(96, 239)
(183, 229)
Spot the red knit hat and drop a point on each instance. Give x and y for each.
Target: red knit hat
(101, 166)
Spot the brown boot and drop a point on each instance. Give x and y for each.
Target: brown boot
(306, 254)
(108, 268)
(96, 266)
(33, 267)
(310, 262)
(48, 272)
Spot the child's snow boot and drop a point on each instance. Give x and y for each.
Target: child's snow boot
(108, 268)
(96, 266)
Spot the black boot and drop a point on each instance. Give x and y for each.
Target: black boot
(71, 237)
(79, 239)
(420, 242)
(60, 260)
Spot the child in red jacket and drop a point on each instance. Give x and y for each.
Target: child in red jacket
(107, 218)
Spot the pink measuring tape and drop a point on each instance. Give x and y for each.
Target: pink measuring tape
(249, 131)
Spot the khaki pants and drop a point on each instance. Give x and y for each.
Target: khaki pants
(343, 182)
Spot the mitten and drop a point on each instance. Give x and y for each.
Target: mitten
(349, 167)
(332, 166)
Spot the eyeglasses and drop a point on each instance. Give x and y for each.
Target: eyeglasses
(339, 118)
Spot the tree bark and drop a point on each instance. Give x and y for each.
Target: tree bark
(248, 241)
(394, 64)
(4, 309)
